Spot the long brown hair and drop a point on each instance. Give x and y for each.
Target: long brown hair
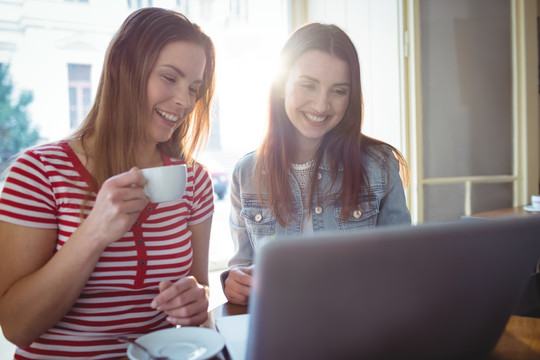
(344, 146)
(116, 121)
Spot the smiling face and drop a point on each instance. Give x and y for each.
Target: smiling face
(317, 90)
(172, 88)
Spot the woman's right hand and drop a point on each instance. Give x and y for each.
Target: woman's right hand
(118, 205)
(238, 284)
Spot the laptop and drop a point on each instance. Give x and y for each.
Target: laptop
(433, 291)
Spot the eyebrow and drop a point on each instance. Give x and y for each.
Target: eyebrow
(307, 77)
(181, 73)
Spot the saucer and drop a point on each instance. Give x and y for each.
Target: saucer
(530, 208)
(189, 342)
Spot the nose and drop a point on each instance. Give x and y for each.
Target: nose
(321, 102)
(182, 97)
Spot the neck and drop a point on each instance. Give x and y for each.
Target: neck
(150, 156)
(305, 151)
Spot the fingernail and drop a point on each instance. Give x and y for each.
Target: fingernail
(154, 304)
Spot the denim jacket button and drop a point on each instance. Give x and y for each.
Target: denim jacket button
(319, 176)
(318, 210)
(357, 214)
(258, 217)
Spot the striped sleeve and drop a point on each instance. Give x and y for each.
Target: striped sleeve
(203, 195)
(27, 198)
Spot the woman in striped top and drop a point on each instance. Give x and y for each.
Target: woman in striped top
(84, 256)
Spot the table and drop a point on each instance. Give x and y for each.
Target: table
(507, 212)
(530, 302)
(519, 341)
(226, 309)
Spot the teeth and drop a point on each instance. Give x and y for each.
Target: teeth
(168, 116)
(314, 118)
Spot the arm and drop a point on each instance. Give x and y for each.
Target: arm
(243, 247)
(38, 286)
(393, 208)
(236, 281)
(200, 242)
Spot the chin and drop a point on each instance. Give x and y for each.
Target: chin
(161, 138)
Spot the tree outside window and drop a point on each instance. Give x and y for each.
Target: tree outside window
(16, 132)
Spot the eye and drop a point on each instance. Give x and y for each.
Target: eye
(169, 78)
(340, 91)
(307, 86)
(194, 90)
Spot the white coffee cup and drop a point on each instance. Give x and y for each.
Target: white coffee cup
(535, 202)
(165, 183)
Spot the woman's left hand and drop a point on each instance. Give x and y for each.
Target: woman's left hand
(185, 301)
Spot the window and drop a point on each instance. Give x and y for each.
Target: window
(80, 98)
(137, 4)
(469, 139)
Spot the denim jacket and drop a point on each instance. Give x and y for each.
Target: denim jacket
(252, 222)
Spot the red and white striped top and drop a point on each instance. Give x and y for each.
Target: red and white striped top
(45, 188)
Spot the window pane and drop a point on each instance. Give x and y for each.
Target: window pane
(72, 97)
(72, 107)
(86, 97)
(486, 197)
(466, 87)
(443, 202)
(77, 72)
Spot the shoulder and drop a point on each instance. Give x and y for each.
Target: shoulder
(381, 163)
(195, 168)
(197, 173)
(48, 149)
(379, 155)
(50, 154)
(246, 163)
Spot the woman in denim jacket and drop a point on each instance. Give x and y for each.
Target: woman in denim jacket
(315, 170)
